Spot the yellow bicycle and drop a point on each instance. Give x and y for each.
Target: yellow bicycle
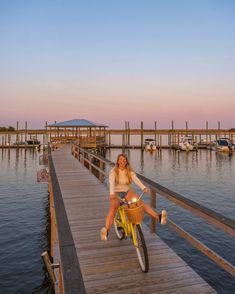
(127, 223)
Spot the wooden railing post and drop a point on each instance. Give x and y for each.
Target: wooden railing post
(153, 203)
(89, 158)
(101, 176)
(79, 154)
(48, 265)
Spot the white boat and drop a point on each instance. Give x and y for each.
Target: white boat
(150, 144)
(221, 145)
(187, 144)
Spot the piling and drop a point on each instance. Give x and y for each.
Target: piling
(17, 134)
(142, 135)
(25, 135)
(155, 133)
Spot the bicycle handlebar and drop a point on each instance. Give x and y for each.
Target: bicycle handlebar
(134, 200)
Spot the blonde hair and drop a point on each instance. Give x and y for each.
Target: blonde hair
(128, 169)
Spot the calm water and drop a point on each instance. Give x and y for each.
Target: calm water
(207, 178)
(23, 223)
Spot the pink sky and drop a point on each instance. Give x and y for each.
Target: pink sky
(117, 61)
(114, 101)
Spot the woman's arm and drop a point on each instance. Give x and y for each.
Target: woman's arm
(112, 183)
(137, 181)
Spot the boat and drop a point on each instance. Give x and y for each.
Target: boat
(203, 143)
(221, 145)
(187, 144)
(33, 141)
(150, 144)
(20, 143)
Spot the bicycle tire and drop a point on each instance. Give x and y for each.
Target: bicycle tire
(118, 230)
(141, 249)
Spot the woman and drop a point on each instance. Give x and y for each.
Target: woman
(120, 178)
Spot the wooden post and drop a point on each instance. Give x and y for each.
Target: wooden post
(17, 132)
(9, 139)
(129, 134)
(53, 218)
(2, 140)
(109, 139)
(155, 133)
(48, 265)
(142, 135)
(79, 154)
(172, 128)
(101, 176)
(93, 135)
(60, 285)
(84, 156)
(89, 158)
(50, 135)
(125, 132)
(25, 135)
(153, 203)
(219, 128)
(207, 132)
(123, 141)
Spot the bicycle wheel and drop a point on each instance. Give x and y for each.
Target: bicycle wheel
(141, 249)
(118, 229)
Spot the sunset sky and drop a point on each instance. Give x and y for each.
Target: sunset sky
(115, 60)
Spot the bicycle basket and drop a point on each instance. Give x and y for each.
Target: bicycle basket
(136, 214)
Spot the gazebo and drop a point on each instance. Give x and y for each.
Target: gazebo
(86, 133)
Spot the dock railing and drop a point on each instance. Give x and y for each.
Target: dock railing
(96, 164)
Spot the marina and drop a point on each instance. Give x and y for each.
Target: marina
(94, 135)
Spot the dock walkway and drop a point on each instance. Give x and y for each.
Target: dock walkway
(112, 266)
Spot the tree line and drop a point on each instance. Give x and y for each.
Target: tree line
(7, 129)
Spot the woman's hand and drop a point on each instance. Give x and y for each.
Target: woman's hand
(146, 190)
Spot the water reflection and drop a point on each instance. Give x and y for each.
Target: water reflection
(24, 208)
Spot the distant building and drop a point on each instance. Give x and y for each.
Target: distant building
(86, 133)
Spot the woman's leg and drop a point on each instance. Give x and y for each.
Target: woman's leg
(160, 217)
(149, 210)
(114, 204)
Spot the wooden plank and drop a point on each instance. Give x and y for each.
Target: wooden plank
(72, 278)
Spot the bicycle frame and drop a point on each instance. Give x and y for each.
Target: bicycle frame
(127, 226)
(124, 228)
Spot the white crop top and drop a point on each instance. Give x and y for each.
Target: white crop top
(123, 185)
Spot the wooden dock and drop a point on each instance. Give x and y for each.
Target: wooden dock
(112, 266)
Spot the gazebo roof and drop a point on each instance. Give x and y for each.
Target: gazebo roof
(77, 123)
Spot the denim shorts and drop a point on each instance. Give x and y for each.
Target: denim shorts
(122, 194)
